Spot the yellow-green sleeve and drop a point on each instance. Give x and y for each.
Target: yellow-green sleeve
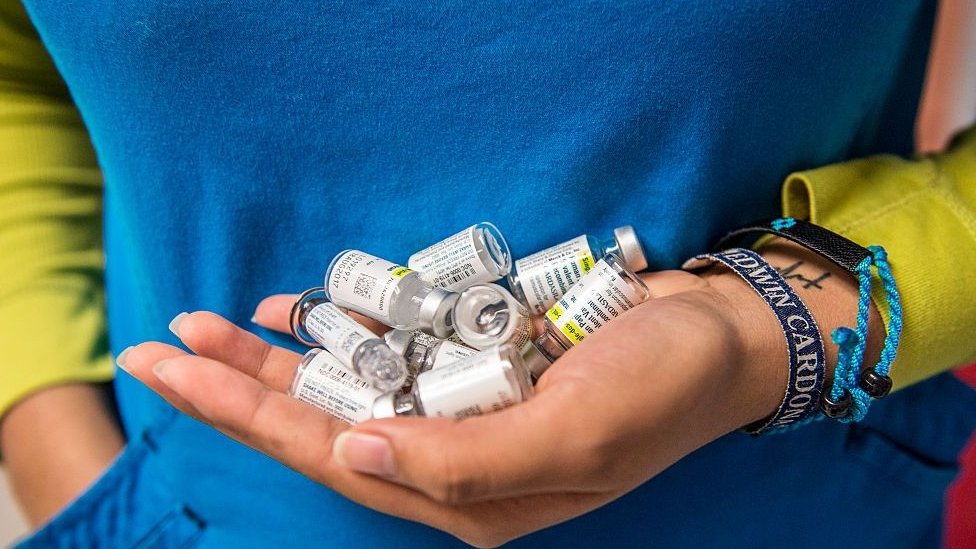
(52, 314)
(923, 211)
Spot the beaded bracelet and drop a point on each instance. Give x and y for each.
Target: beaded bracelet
(852, 390)
(806, 350)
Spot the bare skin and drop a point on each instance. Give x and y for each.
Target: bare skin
(704, 357)
(55, 443)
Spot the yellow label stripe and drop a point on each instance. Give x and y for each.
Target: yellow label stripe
(573, 332)
(401, 272)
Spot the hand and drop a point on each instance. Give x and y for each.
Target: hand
(655, 384)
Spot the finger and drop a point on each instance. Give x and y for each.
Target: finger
(212, 336)
(274, 313)
(138, 362)
(521, 450)
(250, 411)
(302, 438)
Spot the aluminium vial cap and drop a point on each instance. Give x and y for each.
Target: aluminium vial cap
(309, 299)
(539, 355)
(385, 406)
(435, 316)
(504, 312)
(630, 248)
(398, 340)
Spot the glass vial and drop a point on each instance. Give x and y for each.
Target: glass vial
(540, 279)
(389, 293)
(609, 289)
(425, 352)
(485, 382)
(486, 315)
(324, 382)
(476, 254)
(316, 320)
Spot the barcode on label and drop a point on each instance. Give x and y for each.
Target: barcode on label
(346, 378)
(453, 277)
(364, 286)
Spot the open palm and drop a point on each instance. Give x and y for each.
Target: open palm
(649, 388)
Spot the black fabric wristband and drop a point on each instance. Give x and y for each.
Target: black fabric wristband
(844, 252)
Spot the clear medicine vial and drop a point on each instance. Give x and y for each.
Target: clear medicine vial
(609, 289)
(540, 279)
(476, 254)
(324, 382)
(425, 352)
(486, 315)
(389, 293)
(316, 320)
(485, 382)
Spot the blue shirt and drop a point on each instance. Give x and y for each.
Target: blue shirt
(243, 145)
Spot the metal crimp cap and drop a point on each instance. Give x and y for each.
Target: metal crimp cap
(398, 340)
(436, 316)
(535, 360)
(630, 248)
(308, 300)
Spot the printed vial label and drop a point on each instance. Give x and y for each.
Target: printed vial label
(547, 275)
(336, 332)
(602, 295)
(449, 353)
(365, 284)
(471, 387)
(452, 263)
(328, 385)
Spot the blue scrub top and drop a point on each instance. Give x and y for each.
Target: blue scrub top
(244, 144)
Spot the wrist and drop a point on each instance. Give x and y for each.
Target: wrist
(829, 293)
(759, 374)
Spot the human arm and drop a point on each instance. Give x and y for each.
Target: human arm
(57, 431)
(658, 382)
(701, 359)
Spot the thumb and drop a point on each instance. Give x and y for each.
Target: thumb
(663, 283)
(517, 451)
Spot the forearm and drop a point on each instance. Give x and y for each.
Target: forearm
(55, 443)
(57, 432)
(828, 291)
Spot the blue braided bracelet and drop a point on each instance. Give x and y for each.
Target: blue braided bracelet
(802, 397)
(852, 390)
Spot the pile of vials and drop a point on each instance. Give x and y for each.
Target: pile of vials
(460, 344)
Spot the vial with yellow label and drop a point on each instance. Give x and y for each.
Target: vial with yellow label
(389, 293)
(607, 290)
(316, 320)
(476, 254)
(540, 279)
(488, 381)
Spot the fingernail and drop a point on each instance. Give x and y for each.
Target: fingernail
(160, 370)
(254, 320)
(120, 360)
(364, 453)
(174, 325)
